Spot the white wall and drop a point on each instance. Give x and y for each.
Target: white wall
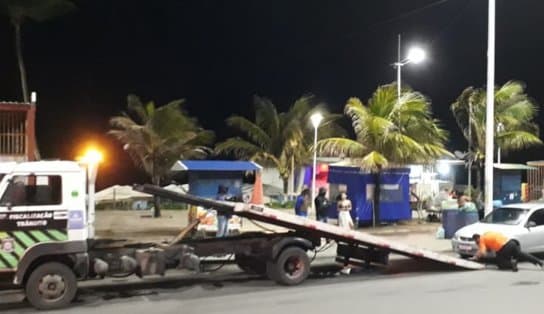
(271, 176)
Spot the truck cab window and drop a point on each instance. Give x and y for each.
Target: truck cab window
(33, 190)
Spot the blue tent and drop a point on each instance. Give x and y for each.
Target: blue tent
(394, 196)
(205, 176)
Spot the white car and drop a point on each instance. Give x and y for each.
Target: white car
(522, 222)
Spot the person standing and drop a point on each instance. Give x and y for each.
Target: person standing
(465, 204)
(507, 251)
(321, 205)
(344, 212)
(222, 218)
(303, 203)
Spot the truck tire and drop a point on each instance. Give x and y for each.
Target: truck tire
(290, 268)
(51, 286)
(250, 265)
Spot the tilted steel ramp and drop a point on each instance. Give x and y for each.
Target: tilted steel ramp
(324, 230)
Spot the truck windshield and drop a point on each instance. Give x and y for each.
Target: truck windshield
(506, 216)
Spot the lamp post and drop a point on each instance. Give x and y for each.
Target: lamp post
(489, 109)
(500, 129)
(415, 55)
(316, 119)
(91, 160)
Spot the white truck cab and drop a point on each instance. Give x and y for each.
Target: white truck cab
(43, 216)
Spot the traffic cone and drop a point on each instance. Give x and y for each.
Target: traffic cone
(257, 197)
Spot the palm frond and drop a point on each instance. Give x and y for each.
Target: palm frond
(266, 116)
(337, 146)
(516, 140)
(374, 161)
(238, 147)
(253, 131)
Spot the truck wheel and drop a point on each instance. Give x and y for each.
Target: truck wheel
(250, 265)
(290, 268)
(51, 286)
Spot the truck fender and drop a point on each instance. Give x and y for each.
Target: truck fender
(283, 243)
(77, 248)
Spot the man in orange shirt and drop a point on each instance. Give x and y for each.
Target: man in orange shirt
(507, 251)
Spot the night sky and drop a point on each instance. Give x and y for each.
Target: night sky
(217, 54)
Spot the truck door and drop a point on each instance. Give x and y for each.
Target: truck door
(31, 212)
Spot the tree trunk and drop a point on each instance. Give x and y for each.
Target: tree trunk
(19, 54)
(376, 198)
(292, 176)
(156, 200)
(285, 185)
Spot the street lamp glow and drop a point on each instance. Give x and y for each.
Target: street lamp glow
(92, 156)
(316, 119)
(416, 55)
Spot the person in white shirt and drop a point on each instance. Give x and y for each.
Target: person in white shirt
(344, 212)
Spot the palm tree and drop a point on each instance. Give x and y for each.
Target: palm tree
(156, 137)
(281, 140)
(389, 133)
(20, 11)
(515, 112)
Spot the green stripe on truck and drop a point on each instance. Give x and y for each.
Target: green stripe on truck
(10, 260)
(40, 236)
(59, 236)
(27, 241)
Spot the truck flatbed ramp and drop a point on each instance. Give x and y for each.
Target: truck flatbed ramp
(305, 225)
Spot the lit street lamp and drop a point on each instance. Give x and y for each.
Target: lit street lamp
(91, 159)
(316, 119)
(415, 55)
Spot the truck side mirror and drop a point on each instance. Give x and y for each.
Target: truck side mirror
(531, 224)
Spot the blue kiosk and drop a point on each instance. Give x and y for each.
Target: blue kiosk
(204, 176)
(394, 193)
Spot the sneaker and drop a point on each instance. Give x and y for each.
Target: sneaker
(514, 266)
(345, 271)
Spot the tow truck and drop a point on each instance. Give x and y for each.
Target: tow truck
(47, 240)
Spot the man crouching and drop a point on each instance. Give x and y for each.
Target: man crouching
(506, 250)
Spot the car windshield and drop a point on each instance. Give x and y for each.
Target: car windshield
(506, 216)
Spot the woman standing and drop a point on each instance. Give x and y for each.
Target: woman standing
(344, 212)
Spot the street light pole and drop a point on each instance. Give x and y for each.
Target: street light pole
(399, 66)
(489, 110)
(415, 55)
(470, 148)
(500, 129)
(316, 119)
(91, 160)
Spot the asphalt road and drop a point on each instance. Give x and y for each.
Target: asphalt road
(406, 286)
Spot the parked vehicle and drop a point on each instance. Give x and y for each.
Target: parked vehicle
(522, 222)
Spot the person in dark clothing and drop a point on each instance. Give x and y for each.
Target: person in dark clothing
(506, 250)
(321, 205)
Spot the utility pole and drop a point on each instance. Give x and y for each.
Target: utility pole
(489, 109)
